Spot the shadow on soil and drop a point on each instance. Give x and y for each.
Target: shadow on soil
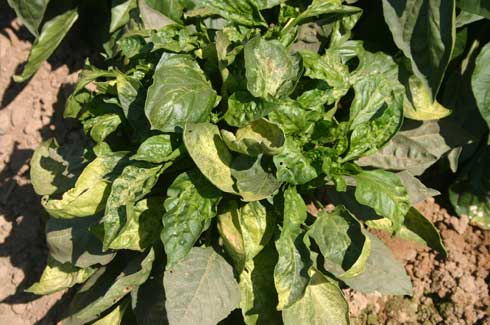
(71, 52)
(19, 205)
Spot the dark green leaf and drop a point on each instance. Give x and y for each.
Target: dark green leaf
(424, 31)
(243, 108)
(478, 7)
(470, 193)
(480, 82)
(180, 93)
(292, 166)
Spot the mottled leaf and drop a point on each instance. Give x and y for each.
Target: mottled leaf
(135, 181)
(209, 152)
(291, 270)
(270, 70)
(384, 192)
(57, 276)
(191, 204)
(180, 93)
(292, 166)
(322, 303)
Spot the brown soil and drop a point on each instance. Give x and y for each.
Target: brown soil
(446, 291)
(27, 117)
(451, 291)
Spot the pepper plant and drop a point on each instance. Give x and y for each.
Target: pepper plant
(213, 143)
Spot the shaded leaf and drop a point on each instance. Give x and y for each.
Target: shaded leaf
(57, 276)
(480, 82)
(30, 12)
(383, 273)
(200, 289)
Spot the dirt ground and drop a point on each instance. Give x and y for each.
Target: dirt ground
(452, 291)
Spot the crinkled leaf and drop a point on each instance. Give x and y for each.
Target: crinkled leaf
(258, 137)
(209, 152)
(180, 93)
(324, 7)
(90, 192)
(142, 227)
(425, 32)
(106, 287)
(383, 273)
(51, 36)
(270, 70)
(243, 12)
(174, 38)
(243, 109)
(155, 149)
(57, 276)
(101, 126)
(384, 192)
(291, 271)
(328, 67)
(200, 289)
(480, 82)
(54, 168)
(30, 12)
(135, 181)
(71, 241)
(191, 204)
(322, 303)
(292, 166)
(341, 241)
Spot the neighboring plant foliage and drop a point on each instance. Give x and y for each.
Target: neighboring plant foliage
(215, 135)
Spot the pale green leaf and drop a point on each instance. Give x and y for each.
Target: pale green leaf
(200, 289)
(51, 36)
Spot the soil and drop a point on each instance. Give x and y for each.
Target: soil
(446, 291)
